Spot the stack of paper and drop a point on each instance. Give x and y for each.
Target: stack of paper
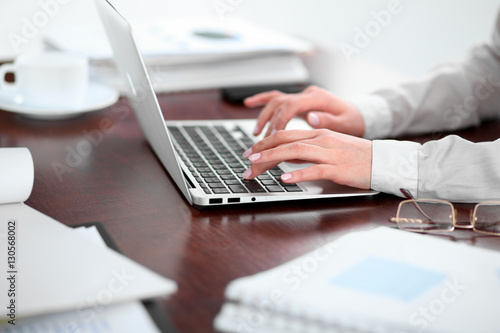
(384, 280)
(53, 269)
(196, 53)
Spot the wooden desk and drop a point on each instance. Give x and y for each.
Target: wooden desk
(117, 180)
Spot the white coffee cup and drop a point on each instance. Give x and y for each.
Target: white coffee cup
(48, 80)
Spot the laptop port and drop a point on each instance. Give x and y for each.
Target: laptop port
(215, 201)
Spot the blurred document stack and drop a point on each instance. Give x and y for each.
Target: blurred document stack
(60, 279)
(194, 53)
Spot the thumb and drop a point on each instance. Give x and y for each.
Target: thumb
(321, 120)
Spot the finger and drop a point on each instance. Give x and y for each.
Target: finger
(261, 99)
(294, 105)
(333, 173)
(314, 172)
(256, 170)
(280, 138)
(282, 108)
(267, 112)
(340, 123)
(292, 151)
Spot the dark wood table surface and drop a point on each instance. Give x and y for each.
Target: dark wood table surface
(99, 167)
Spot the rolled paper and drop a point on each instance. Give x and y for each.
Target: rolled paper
(17, 174)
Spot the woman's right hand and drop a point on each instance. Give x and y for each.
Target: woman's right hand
(324, 110)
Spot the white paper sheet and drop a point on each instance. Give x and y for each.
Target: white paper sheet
(60, 270)
(117, 318)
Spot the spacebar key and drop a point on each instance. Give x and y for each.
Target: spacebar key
(253, 186)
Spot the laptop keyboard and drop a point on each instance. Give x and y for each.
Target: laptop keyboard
(214, 157)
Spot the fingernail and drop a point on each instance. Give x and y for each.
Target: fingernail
(274, 131)
(247, 173)
(313, 119)
(254, 157)
(256, 130)
(286, 176)
(247, 153)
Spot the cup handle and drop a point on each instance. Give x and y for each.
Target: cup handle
(4, 69)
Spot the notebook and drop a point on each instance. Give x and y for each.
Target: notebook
(205, 167)
(382, 280)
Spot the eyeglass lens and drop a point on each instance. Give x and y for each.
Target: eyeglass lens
(487, 218)
(421, 215)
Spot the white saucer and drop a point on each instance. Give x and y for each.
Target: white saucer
(98, 97)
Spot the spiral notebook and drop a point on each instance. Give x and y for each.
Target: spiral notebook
(383, 280)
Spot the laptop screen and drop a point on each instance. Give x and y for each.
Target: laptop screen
(140, 91)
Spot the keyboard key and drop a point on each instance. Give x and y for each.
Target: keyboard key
(212, 180)
(274, 188)
(276, 172)
(253, 186)
(292, 188)
(216, 185)
(208, 175)
(232, 182)
(237, 189)
(235, 165)
(220, 190)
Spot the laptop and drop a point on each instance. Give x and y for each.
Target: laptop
(204, 158)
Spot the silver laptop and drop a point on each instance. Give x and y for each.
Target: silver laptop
(203, 157)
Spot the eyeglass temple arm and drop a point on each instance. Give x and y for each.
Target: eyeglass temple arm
(409, 196)
(406, 193)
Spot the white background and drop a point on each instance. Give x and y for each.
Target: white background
(421, 35)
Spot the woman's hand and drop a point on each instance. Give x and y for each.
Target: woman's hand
(324, 111)
(338, 157)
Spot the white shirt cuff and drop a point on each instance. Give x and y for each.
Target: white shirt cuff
(376, 114)
(395, 166)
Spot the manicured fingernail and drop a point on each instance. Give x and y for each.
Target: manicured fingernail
(247, 153)
(247, 173)
(254, 157)
(313, 119)
(286, 176)
(256, 131)
(274, 131)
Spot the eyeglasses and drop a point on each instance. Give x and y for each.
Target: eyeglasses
(432, 215)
